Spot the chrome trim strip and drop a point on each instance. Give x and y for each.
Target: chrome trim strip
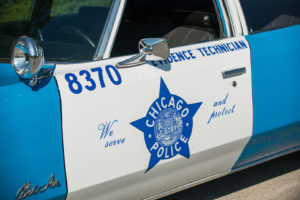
(234, 17)
(109, 32)
(226, 18)
(27, 190)
(115, 29)
(242, 17)
(233, 73)
(31, 10)
(230, 18)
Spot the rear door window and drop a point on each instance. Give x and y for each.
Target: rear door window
(264, 15)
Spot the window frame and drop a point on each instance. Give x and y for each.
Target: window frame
(109, 34)
(110, 30)
(224, 14)
(242, 17)
(231, 6)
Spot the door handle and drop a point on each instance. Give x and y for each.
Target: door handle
(234, 72)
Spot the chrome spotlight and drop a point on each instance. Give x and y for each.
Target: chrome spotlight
(27, 58)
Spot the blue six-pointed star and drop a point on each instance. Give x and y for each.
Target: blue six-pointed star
(167, 126)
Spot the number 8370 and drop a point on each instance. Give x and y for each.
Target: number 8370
(76, 87)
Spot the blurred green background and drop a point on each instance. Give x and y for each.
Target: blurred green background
(13, 10)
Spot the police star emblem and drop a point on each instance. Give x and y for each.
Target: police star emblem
(167, 126)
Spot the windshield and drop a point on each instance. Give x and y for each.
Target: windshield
(68, 30)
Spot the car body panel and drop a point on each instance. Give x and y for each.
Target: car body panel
(276, 116)
(275, 57)
(31, 146)
(91, 139)
(215, 144)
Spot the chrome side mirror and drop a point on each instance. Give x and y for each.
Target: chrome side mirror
(27, 58)
(151, 49)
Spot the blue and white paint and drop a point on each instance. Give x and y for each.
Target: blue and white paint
(167, 126)
(171, 130)
(31, 150)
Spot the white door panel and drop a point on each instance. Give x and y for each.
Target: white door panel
(118, 170)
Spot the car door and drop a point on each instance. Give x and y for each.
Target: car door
(143, 130)
(275, 131)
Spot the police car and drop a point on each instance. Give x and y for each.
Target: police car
(138, 99)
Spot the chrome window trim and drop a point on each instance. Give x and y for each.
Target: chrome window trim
(110, 30)
(242, 17)
(234, 17)
(226, 18)
(31, 10)
(230, 17)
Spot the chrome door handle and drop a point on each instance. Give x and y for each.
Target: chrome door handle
(234, 72)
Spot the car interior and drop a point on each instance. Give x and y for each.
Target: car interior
(179, 23)
(73, 36)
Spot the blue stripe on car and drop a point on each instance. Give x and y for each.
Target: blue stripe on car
(31, 146)
(275, 60)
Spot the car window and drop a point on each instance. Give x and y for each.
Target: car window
(179, 23)
(263, 15)
(21, 10)
(68, 30)
(67, 7)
